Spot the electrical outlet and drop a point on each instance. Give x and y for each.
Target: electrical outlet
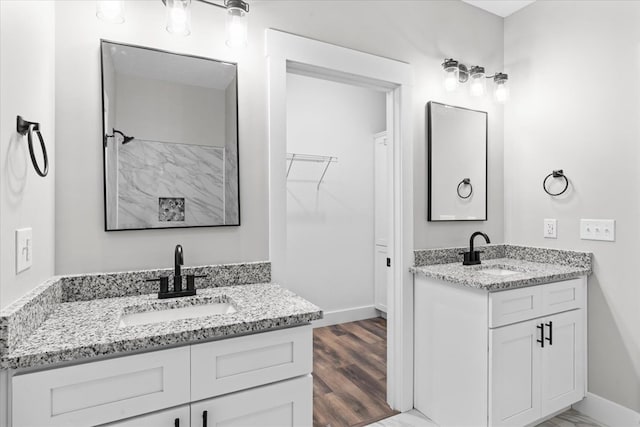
(550, 229)
(598, 229)
(24, 249)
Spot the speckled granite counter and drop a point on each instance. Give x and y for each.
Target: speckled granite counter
(533, 266)
(84, 329)
(75, 318)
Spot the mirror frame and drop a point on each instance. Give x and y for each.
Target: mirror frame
(104, 132)
(430, 165)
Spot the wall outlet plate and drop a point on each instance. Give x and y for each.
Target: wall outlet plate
(24, 249)
(550, 228)
(598, 229)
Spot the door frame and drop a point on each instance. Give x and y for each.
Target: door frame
(285, 53)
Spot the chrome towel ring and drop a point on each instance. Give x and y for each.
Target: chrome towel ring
(556, 174)
(465, 181)
(28, 128)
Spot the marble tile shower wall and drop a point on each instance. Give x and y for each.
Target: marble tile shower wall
(150, 170)
(25, 315)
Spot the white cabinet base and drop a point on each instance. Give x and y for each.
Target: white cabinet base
(478, 356)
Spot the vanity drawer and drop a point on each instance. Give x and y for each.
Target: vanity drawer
(514, 305)
(517, 305)
(563, 296)
(103, 391)
(221, 367)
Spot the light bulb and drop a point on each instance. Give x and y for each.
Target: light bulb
(237, 36)
(111, 11)
(478, 84)
(501, 91)
(451, 74)
(179, 17)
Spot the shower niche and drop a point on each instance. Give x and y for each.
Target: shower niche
(170, 139)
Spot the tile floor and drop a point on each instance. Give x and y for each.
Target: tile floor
(414, 418)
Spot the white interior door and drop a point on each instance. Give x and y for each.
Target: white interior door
(514, 374)
(563, 361)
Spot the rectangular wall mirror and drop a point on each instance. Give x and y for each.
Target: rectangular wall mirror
(170, 138)
(457, 169)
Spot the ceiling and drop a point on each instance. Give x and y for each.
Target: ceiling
(501, 8)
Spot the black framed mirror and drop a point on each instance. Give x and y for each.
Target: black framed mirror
(170, 139)
(457, 163)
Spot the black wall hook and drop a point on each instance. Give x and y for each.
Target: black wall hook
(24, 127)
(556, 174)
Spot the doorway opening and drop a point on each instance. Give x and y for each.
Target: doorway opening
(289, 54)
(337, 225)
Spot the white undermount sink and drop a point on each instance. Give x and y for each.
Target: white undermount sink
(498, 271)
(178, 313)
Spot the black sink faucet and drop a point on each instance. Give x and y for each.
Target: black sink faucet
(178, 262)
(178, 257)
(473, 257)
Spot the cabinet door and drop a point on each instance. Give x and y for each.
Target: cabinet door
(563, 359)
(176, 417)
(381, 278)
(283, 404)
(514, 374)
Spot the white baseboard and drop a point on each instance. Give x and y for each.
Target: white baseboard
(347, 315)
(607, 412)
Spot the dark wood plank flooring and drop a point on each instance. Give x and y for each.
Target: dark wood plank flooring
(350, 374)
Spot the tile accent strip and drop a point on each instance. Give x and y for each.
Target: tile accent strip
(550, 256)
(448, 255)
(423, 257)
(87, 287)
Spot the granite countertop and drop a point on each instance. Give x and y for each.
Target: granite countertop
(80, 330)
(529, 273)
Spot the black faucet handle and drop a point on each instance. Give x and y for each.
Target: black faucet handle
(191, 280)
(164, 283)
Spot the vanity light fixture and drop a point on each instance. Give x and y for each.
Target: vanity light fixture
(457, 72)
(111, 11)
(179, 17)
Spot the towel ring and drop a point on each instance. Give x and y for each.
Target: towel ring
(465, 181)
(28, 128)
(556, 174)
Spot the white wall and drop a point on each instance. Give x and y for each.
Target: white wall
(575, 105)
(27, 88)
(420, 33)
(330, 230)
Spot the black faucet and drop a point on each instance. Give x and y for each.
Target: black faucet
(178, 258)
(473, 257)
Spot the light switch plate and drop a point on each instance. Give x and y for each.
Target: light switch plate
(550, 229)
(598, 229)
(24, 249)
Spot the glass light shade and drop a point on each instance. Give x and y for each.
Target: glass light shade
(111, 11)
(501, 92)
(237, 35)
(179, 17)
(478, 84)
(451, 79)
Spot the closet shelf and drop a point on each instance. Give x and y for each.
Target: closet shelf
(297, 157)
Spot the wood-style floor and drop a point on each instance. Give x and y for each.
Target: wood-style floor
(350, 374)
